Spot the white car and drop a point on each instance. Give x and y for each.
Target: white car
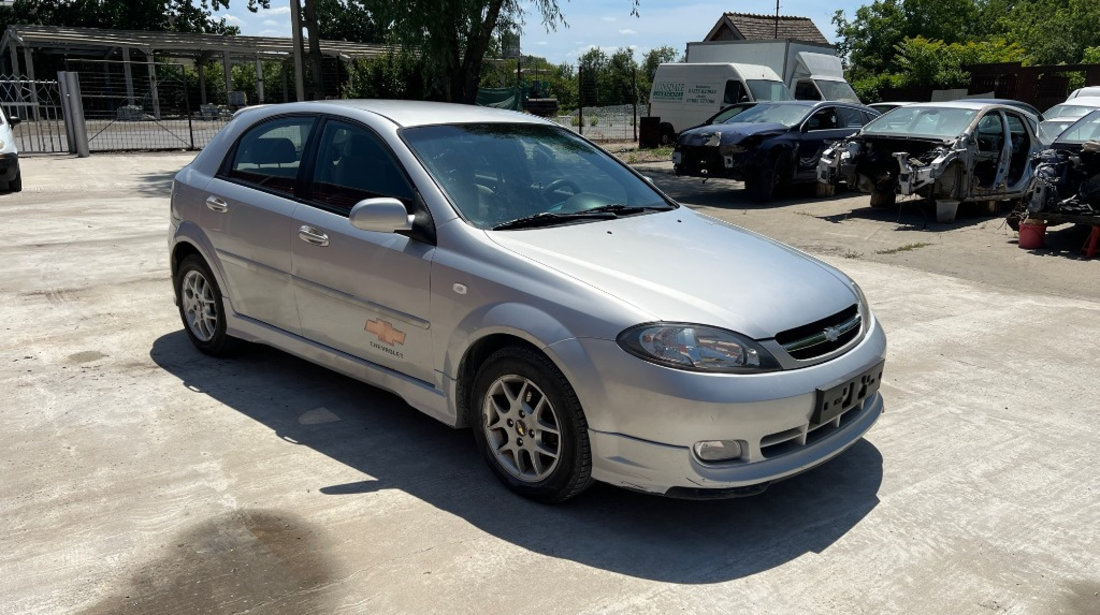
(10, 176)
(1060, 116)
(497, 271)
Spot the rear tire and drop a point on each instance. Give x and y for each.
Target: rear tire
(16, 185)
(530, 427)
(881, 198)
(201, 308)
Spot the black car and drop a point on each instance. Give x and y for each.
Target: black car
(770, 144)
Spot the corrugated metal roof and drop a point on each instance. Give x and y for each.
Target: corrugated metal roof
(177, 44)
(753, 27)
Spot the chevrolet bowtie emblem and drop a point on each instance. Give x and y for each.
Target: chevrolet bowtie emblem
(832, 333)
(385, 332)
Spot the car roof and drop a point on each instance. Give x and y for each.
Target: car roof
(406, 113)
(966, 103)
(1080, 101)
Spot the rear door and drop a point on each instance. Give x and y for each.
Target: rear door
(818, 132)
(248, 215)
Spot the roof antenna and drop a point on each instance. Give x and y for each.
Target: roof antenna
(776, 18)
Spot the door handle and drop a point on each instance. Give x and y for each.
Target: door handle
(312, 236)
(216, 204)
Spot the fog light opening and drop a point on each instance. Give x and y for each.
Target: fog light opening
(718, 450)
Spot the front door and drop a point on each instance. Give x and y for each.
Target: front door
(360, 292)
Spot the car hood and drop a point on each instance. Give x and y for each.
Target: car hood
(679, 266)
(730, 134)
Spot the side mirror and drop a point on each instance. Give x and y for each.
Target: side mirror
(381, 215)
(14, 120)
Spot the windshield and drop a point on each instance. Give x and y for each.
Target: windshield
(939, 122)
(1085, 129)
(787, 114)
(1067, 110)
(837, 90)
(726, 115)
(498, 173)
(769, 90)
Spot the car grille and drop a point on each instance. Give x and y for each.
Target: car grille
(823, 336)
(695, 159)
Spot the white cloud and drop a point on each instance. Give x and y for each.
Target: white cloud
(541, 43)
(280, 10)
(609, 18)
(232, 19)
(272, 22)
(627, 31)
(273, 33)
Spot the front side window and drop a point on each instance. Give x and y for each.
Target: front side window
(825, 119)
(353, 164)
(851, 118)
(268, 156)
(735, 93)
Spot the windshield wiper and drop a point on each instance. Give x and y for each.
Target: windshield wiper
(550, 218)
(603, 212)
(620, 209)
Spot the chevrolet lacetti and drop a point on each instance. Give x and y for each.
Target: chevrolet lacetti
(499, 272)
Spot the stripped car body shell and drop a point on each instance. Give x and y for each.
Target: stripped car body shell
(981, 154)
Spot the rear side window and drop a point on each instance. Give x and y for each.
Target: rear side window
(270, 154)
(851, 118)
(352, 165)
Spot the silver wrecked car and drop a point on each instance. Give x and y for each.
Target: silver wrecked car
(500, 272)
(951, 152)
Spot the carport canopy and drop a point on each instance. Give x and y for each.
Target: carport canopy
(180, 45)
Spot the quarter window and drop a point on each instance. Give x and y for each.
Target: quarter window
(352, 165)
(269, 155)
(851, 118)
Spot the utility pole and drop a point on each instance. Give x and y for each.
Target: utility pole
(776, 18)
(296, 40)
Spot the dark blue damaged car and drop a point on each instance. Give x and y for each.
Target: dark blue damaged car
(770, 144)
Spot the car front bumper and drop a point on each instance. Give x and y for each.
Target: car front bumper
(644, 419)
(708, 161)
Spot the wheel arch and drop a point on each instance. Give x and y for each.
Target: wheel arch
(472, 360)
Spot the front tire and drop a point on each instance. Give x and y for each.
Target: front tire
(762, 188)
(201, 307)
(530, 427)
(16, 184)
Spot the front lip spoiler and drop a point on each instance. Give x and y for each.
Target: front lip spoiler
(701, 493)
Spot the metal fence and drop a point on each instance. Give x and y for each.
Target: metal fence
(611, 123)
(37, 104)
(145, 106)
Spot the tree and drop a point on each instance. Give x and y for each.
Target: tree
(452, 36)
(162, 15)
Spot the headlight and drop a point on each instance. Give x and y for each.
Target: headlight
(864, 309)
(696, 348)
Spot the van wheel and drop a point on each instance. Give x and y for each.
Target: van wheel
(668, 135)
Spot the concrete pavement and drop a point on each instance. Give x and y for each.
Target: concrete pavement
(143, 477)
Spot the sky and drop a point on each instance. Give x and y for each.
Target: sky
(606, 24)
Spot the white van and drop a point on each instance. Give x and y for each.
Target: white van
(10, 177)
(684, 95)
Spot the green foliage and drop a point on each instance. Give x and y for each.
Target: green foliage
(1091, 56)
(158, 15)
(347, 20)
(608, 80)
(393, 75)
(933, 39)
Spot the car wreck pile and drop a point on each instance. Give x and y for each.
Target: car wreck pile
(1067, 182)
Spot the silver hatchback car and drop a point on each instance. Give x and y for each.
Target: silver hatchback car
(499, 272)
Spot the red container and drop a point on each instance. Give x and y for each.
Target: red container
(1032, 234)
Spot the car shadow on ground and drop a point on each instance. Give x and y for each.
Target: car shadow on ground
(156, 184)
(644, 536)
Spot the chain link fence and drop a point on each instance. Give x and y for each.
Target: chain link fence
(608, 104)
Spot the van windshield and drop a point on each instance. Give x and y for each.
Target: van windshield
(763, 89)
(837, 90)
